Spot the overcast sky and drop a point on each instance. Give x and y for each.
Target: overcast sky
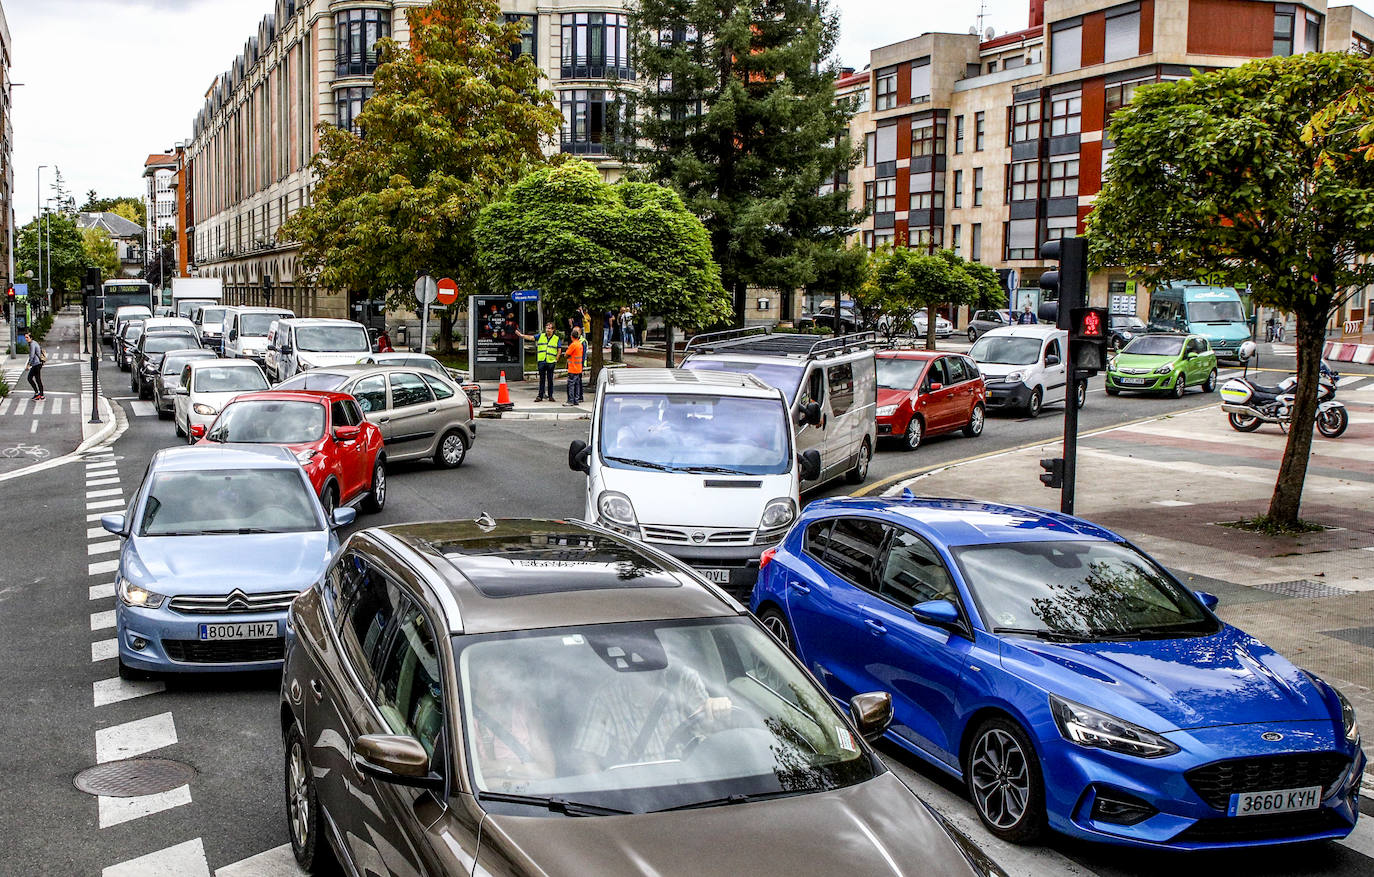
(106, 82)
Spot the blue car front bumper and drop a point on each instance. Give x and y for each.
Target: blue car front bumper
(1180, 801)
(171, 641)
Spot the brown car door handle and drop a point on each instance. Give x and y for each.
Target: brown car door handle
(317, 689)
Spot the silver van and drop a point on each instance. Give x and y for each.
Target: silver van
(831, 385)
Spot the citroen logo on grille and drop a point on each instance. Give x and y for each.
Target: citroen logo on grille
(1271, 736)
(698, 537)
(238, 600)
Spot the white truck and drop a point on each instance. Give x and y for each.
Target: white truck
(189, 293)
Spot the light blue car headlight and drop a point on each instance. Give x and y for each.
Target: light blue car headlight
(136, 596)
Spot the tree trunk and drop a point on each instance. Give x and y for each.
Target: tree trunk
(445, 332)
(930, 327)
(1287, 499)
(592, 344)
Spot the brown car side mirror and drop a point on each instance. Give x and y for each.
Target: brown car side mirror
(872, 713)
(395, 759)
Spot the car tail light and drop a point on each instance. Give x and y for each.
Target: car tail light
(767, 558)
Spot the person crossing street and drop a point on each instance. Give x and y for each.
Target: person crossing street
(37, 356)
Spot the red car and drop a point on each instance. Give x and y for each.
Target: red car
(927, 392)
(340, 450)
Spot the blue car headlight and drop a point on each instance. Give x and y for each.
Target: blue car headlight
(1095, 729)
(133, 595)
(1350, 724)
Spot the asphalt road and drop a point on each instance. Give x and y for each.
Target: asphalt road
(60, 689)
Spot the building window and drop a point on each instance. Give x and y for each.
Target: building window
(958, 135)
(1066, 48)
(885, 151)
(1022, 180)
(927, 239)
(885, 89)
(358, 31)
(526, 44)
(1025, 121)
(1119, 94)
(1313, 34)
(975, 243)
(588, 115)
(1019, 235)
(349, 105)
(1011, 62)
(927, 137)
(1066, 113)
(1122, 38)
(928, 191)
(977, 187)
(1060, 227)
(1063, 179)
(927, 200)
(1361, 45)
(596, 45)
(1284, 19)
(956, 238)
(958, 189)
(883, 238)
(861, 101)
(979, 131)
(884, 195)
(992, 66)
(920, 81)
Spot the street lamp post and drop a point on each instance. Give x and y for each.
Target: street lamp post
(37, 215)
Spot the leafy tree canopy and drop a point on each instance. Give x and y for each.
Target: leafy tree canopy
(902, 281)
(100, 251)
(68, 258)
(132, 209)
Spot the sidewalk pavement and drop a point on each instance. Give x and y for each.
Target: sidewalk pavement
(522, 393)
(1168, 483)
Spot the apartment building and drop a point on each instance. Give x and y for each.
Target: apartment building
(6, 152)
(311, 62)
(992, 146)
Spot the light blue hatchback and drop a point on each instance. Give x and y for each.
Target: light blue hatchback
(217, 543)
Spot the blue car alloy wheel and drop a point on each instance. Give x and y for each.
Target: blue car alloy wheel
(1065, 677)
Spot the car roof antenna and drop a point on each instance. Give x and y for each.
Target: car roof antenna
(486, 522)
(907, 495)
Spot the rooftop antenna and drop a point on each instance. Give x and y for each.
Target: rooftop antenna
(982, 14)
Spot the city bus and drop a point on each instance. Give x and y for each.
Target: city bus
(115, 294)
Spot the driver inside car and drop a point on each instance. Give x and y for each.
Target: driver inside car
(647, 716)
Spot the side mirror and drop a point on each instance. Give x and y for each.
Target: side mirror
(1206, 599)
(395, 759)
(285, 350)
(937, 613)
(934, 387)
(347, 433)
(233, 334)
(181, 391)
(810, 462)
(579, 454)
(197, 431)
(872, 713)
(343, 516)
(114, 524)
(810, 414)
(1051, 359)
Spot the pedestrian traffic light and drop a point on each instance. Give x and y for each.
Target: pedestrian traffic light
(1088, 337)
(1067, 283)
(1053, 476)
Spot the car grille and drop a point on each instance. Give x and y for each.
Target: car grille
(1251, 828)
(194, 651)
(1216, 782)
(1135, 371)
(234, 603)
(684, 537)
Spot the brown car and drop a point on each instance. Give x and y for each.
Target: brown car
(531, 697)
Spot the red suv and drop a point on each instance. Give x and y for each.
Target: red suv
(926, 392)
(339, 449)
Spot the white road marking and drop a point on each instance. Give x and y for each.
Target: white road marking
(102, 547)
(103, 620)
(108, 491)
(104, 649)
(100, 592)
(183, 860)
(1169, 502)
(5, 404)
(114, 811)
(100, 567)
(1361, 840)
(105, 463)
(142, 409)
(97, 532)
(100, 482)
(276, 862)
(39, 406)
(105, 504)
(33, 427)
(95, 516)
(135, 738)
(114, 690)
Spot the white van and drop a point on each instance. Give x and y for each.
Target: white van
(295, 345)
(831, 387)
(209, 320)
(245, 331)
(126, 313)
(1024, 367)
(701, 465)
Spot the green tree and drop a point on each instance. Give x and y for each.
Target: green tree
(101, 252)
(736, 111)
(68, 258)
(584, 242)
(454, 117)
(1247, 196)
(903, 281)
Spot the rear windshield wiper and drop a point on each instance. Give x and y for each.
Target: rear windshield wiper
(554, 804)
(739, 799)
(1060, 636)
(631, 461)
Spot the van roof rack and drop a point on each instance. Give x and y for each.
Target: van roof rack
(760, 340)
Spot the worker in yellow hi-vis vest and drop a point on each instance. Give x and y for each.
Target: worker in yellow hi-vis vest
(546, 349)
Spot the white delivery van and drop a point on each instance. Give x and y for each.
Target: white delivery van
(1024, 367)
(831, 386)
(295, 345)
(188, 293)
(701, 465)
(209, 320)
(130, 312)
(245, 331)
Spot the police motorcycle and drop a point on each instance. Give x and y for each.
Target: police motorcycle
(1248, 403)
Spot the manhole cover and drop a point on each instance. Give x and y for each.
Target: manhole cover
(134, 776)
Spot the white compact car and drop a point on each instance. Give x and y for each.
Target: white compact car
(1024, 367)
(207, 385)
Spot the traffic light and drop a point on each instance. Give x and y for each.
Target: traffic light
(1068, 283)
(1088, 338)
(1053, 476)
(9, 304)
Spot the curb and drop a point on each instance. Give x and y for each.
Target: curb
(541, 415)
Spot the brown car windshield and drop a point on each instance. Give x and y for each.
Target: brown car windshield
(640, 717)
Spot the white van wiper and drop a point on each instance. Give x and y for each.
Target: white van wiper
(631, 461)
(718, 470)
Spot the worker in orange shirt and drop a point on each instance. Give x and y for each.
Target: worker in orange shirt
(577, 354)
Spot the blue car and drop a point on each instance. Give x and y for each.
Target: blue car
(1064, 676)
(217, 543)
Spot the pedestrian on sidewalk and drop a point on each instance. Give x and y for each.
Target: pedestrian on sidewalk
(576, 353)
(1027, 317)
(627, 328)
(546, 349)
(37, 356)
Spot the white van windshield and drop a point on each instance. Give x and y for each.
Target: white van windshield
(778, 375)
(695, 433)
(332, 339)
(1006, 350)
(1215, 312)
(256, 325)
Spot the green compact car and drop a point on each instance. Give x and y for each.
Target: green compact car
(1163, 364)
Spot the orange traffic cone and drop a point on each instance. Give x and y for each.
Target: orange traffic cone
(503, 402)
